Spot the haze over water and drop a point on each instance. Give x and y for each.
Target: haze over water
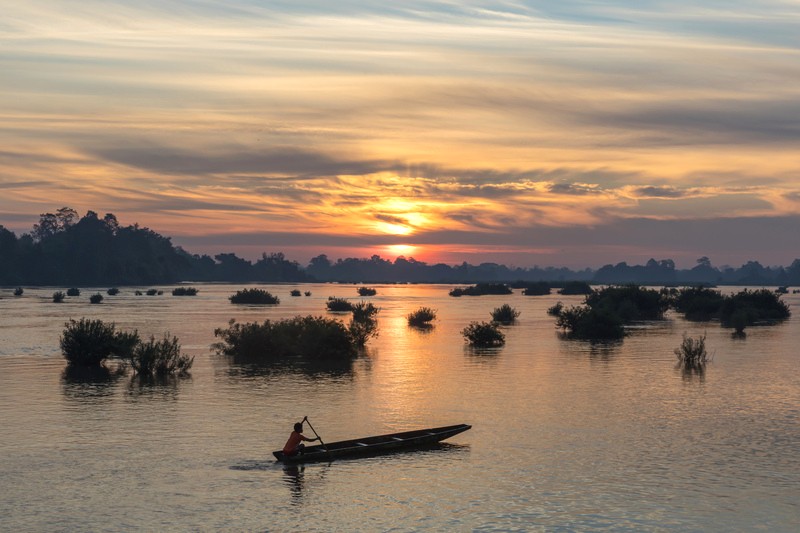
(566, 435)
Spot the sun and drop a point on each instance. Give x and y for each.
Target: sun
(394, 229)
(401, 249)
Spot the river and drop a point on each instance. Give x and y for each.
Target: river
(566, 436)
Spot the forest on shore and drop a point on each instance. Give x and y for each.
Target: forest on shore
(65, 249)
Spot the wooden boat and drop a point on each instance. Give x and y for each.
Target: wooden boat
(373, 445)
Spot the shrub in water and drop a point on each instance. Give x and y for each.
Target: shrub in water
(539, 288)
(152, 292)
(699, 304)
(88, 342)
(18, 291)
(575, 287)
(582, 322)
(367, 291)
(483, 334)
(692, 353)
(481, 289)
(58, 297)
(422, 317)
(556, 309)
(113, 291)
(629, 302)
(73, 292)
(309, 336)
(184, 291)
(138, 293)
(295, 292)
(160, 358)
(307, 293)
(363, 325)
(96, 298)
(759, 306)
(254, 296)
(505, 314)
(338, 305)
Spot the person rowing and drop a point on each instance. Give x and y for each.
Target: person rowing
(295, 443)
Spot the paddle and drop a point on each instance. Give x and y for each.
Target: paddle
(305, 419)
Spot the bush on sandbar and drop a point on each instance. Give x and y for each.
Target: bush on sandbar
(184, 291)
(254, 296)
(313, 337)
(422, 317)
(88, 342)
(160, 358)
(483, 334)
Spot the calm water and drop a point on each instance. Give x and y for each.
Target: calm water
(566, 436)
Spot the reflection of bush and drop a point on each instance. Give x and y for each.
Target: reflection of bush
(254, 296)
(483, 334)
(421, 317)
(313, 337)
(160, 358)
(505, 314)
(482, 289)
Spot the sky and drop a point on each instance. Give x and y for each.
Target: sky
(570, 133)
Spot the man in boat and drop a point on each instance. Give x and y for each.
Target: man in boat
(295, 443)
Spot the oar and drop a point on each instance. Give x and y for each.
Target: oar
(305, 419)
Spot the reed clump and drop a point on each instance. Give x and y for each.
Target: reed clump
(160, 357)
(692, 353)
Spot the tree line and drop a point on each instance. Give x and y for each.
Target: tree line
(65, 249)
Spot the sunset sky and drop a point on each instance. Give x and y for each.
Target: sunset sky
(570, 133)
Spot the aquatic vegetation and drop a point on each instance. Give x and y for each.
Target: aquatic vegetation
(160, 358)
(761, 306)
(307, 293)
(254, 296)
(692, 352)
(422, 317)
(184, 291)
(483, 334)
(698, 304)
(538, 288)
(88, 342)
(363, 325)
(58, 297)
(295, 292)
(113, 291)
(367, 291)
(583, 322)
(482, 289)
(73, 292)
(555, 310)
(19, 291)
(313, 337)
(505, 314)
(152, 292)
(96, 298)
(629, 302)
(138, 293)
(338, 305)
(575, 287)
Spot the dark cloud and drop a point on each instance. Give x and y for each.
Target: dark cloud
(291, 161)
(573, 189)
(651, 191)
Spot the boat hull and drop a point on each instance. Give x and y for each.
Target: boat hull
(376, 445)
